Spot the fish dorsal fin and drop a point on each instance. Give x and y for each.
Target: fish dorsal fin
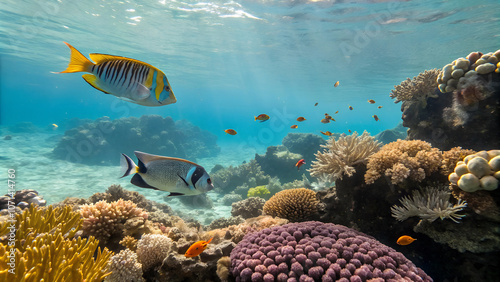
(146, 158)
(101, 58)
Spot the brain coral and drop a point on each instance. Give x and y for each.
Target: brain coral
(403, 159)
(294, 204)
(316, 251)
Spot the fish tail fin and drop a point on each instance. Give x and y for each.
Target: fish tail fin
(128, 166)
(77, 62)
(255, 117)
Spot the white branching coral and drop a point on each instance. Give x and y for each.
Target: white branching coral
(342, 154)
(429, 204)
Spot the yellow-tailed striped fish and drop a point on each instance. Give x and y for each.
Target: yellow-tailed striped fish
(125, 78)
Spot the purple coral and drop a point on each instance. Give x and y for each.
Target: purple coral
(318, 252)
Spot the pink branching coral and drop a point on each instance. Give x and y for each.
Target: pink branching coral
(402, 159)
(104, 219)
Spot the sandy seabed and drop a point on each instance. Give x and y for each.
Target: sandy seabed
(55, 180)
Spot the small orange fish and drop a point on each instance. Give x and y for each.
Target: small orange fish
(380, 107)
(327, 133)
(294, 126)
(371, 101)
(325, 120)
(315, 104)
(375, 117)
(262, 117)
(349, 131)
(197, 248)
(300, 163)
(327, 116)
(336, 84)
(231, 131)
(405, 240)
(301, 118)
(350, 108)
(336, 112)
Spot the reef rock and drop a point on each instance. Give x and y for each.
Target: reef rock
(102, 141)
(304, 144)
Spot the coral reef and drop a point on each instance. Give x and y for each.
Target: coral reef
(129, 242)
(451, 157)
(125, 267)
(230, 198)
(152, 249)
(402, 159)
(223, 265)
(295, 204)
(391, 135)
(47, 241)
(101, 141)
(278, 162)
(225, 222)
(471, 104)
(315, 251)
(250, 174)
(341, 155)
(471, 235)
(259, 191)
(304, 144)
(429, 204)
(417, 89)
(479, 171)
(22, 199)
(250, 207)
(104, 220)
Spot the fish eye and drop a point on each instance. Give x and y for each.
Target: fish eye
(209, 181)
(167, 88)
(196, 248)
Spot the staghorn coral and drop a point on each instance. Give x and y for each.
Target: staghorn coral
(45, 243)
(125, 267)
(34, 221)
(403, 159)
(417, 89)
(429, 204)
(294, 204)
(250, 207)
(152, 249)
(342, 154)
(316, 251)
(104, 220)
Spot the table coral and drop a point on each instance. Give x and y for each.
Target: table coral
(417, 89)
(342, 154)
(294, 204)
(403, 159)
(316, 251)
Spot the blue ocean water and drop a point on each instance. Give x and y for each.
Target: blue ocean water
(228, 61)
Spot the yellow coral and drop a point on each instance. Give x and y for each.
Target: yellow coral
(417, 89)
(43, 251)
(403, 159)
(293, 204)
(451, 157)
(342, 154)
(129, 242)
(259, 191)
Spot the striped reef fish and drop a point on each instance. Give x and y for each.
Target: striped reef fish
(125, 78)
(177, 176)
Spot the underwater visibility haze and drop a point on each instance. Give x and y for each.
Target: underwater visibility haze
(314, 140)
